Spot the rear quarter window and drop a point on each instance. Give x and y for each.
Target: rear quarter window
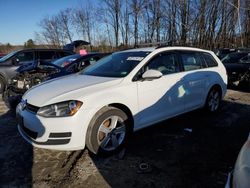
(209, 59)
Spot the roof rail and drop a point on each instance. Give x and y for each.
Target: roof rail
(157, 44)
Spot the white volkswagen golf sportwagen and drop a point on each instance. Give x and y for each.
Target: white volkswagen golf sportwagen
(126, 91)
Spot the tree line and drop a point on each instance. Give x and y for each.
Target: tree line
(126, 23)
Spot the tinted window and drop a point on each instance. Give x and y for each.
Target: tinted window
(25, 56)
(116, 65)
(165, 63)
(47, 55)
(233, 57)
(245, 59)
(191, 61)
(62, 62)
(210, 61)
(63, 54)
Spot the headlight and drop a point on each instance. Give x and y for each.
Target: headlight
(62, 109)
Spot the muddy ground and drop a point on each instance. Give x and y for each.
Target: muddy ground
(192, 150)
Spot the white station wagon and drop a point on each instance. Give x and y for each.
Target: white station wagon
(126, 91)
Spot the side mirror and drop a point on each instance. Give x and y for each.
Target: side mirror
(151, 74)
(15, 61)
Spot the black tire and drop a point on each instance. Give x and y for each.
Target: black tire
(101, 143)
(213, 100)
(2, 85)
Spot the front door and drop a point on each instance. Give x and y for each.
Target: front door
(163, 97)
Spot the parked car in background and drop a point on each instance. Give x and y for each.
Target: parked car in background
(32, 74)
(10, 62)
(221, 53)
(240, 176)
(2, 54)
(123, 92)
(238, 68)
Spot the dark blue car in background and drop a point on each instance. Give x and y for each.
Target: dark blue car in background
(34, 73)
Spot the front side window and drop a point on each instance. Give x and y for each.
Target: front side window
(190, 61)
(25, 56)
(166, 63)
(119, 64)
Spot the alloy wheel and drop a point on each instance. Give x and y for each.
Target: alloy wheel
(214, 100)
(111, 133)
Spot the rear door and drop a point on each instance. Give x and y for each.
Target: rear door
(195, 78)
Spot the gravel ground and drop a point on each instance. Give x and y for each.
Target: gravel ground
(192, 150)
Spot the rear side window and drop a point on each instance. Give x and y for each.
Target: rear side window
(47, 55)
(210, 61)
(191, 61)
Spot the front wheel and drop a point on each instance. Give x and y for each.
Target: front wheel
(213, 100)
(107, 131)
(2, 85)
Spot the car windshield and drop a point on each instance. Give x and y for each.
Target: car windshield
(119, 64)
(8, 56)
(62, 62)
(233, 57)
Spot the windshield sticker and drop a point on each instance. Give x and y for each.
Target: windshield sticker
(135, 58)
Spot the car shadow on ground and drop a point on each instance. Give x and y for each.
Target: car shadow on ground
(240, 87)
(192, 150)
(16, 156)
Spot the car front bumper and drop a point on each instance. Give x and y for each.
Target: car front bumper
(59, 133)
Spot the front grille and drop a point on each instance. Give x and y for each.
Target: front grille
(32, 108)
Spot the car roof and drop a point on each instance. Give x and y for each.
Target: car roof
(151, 49)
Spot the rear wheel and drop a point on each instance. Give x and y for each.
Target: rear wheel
(213, 100)
(107, 131)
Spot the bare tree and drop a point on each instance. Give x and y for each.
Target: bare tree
(83, 21)
(113, 10)
(65, 21)
(124, 22)
(51, 31)
(137, 7)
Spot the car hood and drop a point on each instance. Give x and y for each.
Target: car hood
(66, 88)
